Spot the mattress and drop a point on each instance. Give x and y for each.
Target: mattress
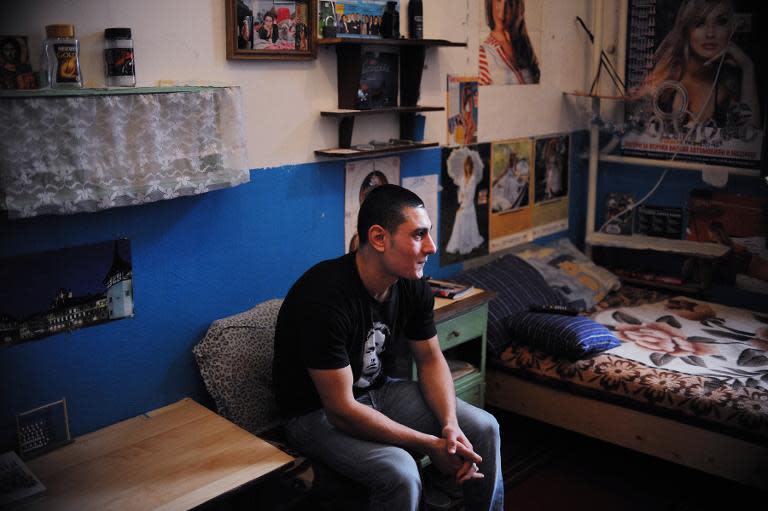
(689, 360)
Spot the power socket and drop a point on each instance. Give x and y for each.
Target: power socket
(42, 429)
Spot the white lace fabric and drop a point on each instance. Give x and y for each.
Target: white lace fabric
(72, 154)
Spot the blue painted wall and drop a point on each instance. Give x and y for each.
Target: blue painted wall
(195, 259)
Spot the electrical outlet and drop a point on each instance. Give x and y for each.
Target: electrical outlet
(42, 429)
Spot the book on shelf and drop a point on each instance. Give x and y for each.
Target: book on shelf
(446, 289)
(378, 81)
(460, 368)
(17, 483)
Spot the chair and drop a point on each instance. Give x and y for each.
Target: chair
(235, 361)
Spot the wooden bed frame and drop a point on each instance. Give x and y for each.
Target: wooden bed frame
(723, 456)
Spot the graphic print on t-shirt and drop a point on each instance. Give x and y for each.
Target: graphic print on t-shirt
(374, 346)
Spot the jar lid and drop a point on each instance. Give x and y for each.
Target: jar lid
(63, 31)
(117, 33)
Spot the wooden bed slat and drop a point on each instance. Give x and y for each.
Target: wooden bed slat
(701, 449)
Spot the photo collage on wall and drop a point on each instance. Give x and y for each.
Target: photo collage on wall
(355, 18)
(694, 74)
(272, 25)
(48, 293)
(516, 191)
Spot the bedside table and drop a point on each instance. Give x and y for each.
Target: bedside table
(461, 329)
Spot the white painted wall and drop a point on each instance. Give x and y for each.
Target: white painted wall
(183, 40)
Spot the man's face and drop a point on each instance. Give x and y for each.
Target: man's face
(410, 245)
(9, 53)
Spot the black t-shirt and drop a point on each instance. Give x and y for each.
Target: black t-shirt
(328, 320)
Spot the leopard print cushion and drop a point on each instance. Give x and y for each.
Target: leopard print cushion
(235, 360)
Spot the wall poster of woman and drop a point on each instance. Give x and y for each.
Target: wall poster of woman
(510, 34)
(695, 69)
(551, 168)
(361, 177)
(511, 197)
(464, 203)
(462, 110)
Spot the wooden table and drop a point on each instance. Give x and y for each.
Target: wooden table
(175, 457)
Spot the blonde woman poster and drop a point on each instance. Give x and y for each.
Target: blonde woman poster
(510, 35)
(464, 203)
(695, 69)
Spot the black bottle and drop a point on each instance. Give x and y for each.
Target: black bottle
(415, 20)
(390, 22)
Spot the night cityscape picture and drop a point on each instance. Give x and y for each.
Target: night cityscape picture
(48, 293)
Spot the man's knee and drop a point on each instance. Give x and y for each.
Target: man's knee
(400, 473)
(478, 423)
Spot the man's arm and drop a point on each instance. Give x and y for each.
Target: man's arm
(335, 389)
(437, 386)
(435, 380)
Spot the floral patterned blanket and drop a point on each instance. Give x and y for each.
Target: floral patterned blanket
(693, 361)
(724, 344)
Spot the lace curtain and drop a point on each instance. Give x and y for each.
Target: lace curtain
(63, 153)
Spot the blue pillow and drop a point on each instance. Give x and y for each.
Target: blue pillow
(518, 286)
(570, 337)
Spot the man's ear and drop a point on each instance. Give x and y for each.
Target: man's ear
(377, 236)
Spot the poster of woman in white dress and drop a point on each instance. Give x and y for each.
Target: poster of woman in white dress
(464, 203)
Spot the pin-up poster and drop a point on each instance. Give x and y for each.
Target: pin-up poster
(511, 197)
(510, 42)
(462, 110)
(464, 203)
(695, 69)
(550, 208)
(362, 177)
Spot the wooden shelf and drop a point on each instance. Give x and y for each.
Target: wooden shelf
(350, 53)
(640, 242)
(348, 112)
(583, 94)
(682, 288)
(675, 164)
(335, 41)
(342, 152)
(108, 91)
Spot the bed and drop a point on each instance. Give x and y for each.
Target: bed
(687, 381)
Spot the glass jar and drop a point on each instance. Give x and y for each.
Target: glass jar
(62, 57)
(118, 58)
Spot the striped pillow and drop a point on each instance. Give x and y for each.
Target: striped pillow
(517, 285)
(570, 337)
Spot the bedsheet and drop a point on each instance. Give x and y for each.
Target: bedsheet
(685, 359)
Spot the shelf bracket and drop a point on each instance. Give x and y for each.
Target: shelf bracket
(346, 125)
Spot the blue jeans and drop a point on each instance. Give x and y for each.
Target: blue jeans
(390, 472)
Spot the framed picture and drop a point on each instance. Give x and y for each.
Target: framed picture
(15, 72)
(366, 19)
(271, 29)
